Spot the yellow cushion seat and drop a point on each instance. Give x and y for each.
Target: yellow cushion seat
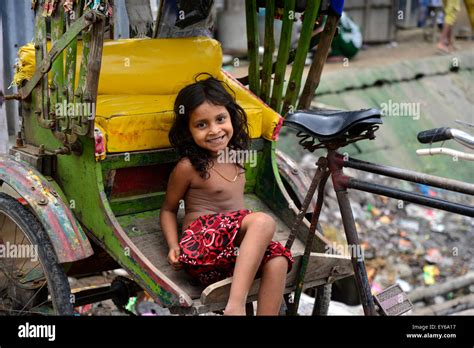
(142, 122)
(138, 83)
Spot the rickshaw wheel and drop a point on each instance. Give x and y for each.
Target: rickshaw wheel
(35, 283)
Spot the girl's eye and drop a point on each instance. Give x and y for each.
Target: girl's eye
(221, 119)
(201, 125)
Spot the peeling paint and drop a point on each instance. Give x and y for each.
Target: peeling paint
(69, 240)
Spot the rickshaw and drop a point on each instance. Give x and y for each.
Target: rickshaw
(87, 176)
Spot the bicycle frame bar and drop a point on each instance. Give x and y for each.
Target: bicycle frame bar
(342, 183)
(425, 179)
(463, 138)
(338, 178)
(336, 163)
(447, 184)
(357, 259)
(411, 197)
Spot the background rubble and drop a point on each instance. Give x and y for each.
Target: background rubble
(403, 243)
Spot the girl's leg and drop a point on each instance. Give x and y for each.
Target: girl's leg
(272, 286)
(256, 232)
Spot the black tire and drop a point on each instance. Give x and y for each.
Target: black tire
(55, 284)
(322, 299)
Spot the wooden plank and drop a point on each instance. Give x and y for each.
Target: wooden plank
(149, 157)
(137, 203)
(144, 230)
(319, 270)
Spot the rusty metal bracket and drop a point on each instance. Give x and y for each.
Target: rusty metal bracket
(37, 157)
(335, 271)
(86, 20)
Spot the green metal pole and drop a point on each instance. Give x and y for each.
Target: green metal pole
(57, 70)
(79, 93)
(252, 44)
(71, 63)
(269, 45)
(294, 83)
(283, 53)
(42, 93)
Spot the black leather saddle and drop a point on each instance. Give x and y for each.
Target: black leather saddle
(328, 124)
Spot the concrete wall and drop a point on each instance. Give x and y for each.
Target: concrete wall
(3, 118)
(17, 30)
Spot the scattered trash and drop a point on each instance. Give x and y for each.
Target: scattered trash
(83, 310)
(411, 225)
(403, 243)
(433, 256)
(404, 285)
(376, 288)
(430, 272)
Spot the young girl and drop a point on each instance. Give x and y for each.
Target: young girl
(220, 238)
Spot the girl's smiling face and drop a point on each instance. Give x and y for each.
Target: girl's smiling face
(211, 127)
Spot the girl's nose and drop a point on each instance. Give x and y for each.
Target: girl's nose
(214, 129)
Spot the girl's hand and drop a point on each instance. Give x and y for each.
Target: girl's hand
(173, 255)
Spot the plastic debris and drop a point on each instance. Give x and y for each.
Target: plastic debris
(433, 255)
(430, 272)
(404, 285)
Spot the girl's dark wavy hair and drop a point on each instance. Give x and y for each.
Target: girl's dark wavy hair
(188, 99)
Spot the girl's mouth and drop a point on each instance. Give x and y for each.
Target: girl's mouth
(216, 140)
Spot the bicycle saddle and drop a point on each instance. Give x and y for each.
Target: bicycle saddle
(326, 124)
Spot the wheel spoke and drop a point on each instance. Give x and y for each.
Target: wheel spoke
(14, 243)
(36, 293)
(32, 269)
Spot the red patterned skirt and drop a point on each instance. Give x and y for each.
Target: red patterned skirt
(207, 247)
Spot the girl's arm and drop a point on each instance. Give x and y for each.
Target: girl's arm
(178, 184)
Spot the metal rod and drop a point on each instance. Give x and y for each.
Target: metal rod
(156, 28)
(309, 243)
(357, 259)
(447, 184)
(411, 197)
(322, 165)
(57, 70)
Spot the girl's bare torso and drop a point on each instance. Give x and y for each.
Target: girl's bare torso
(215, 194)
